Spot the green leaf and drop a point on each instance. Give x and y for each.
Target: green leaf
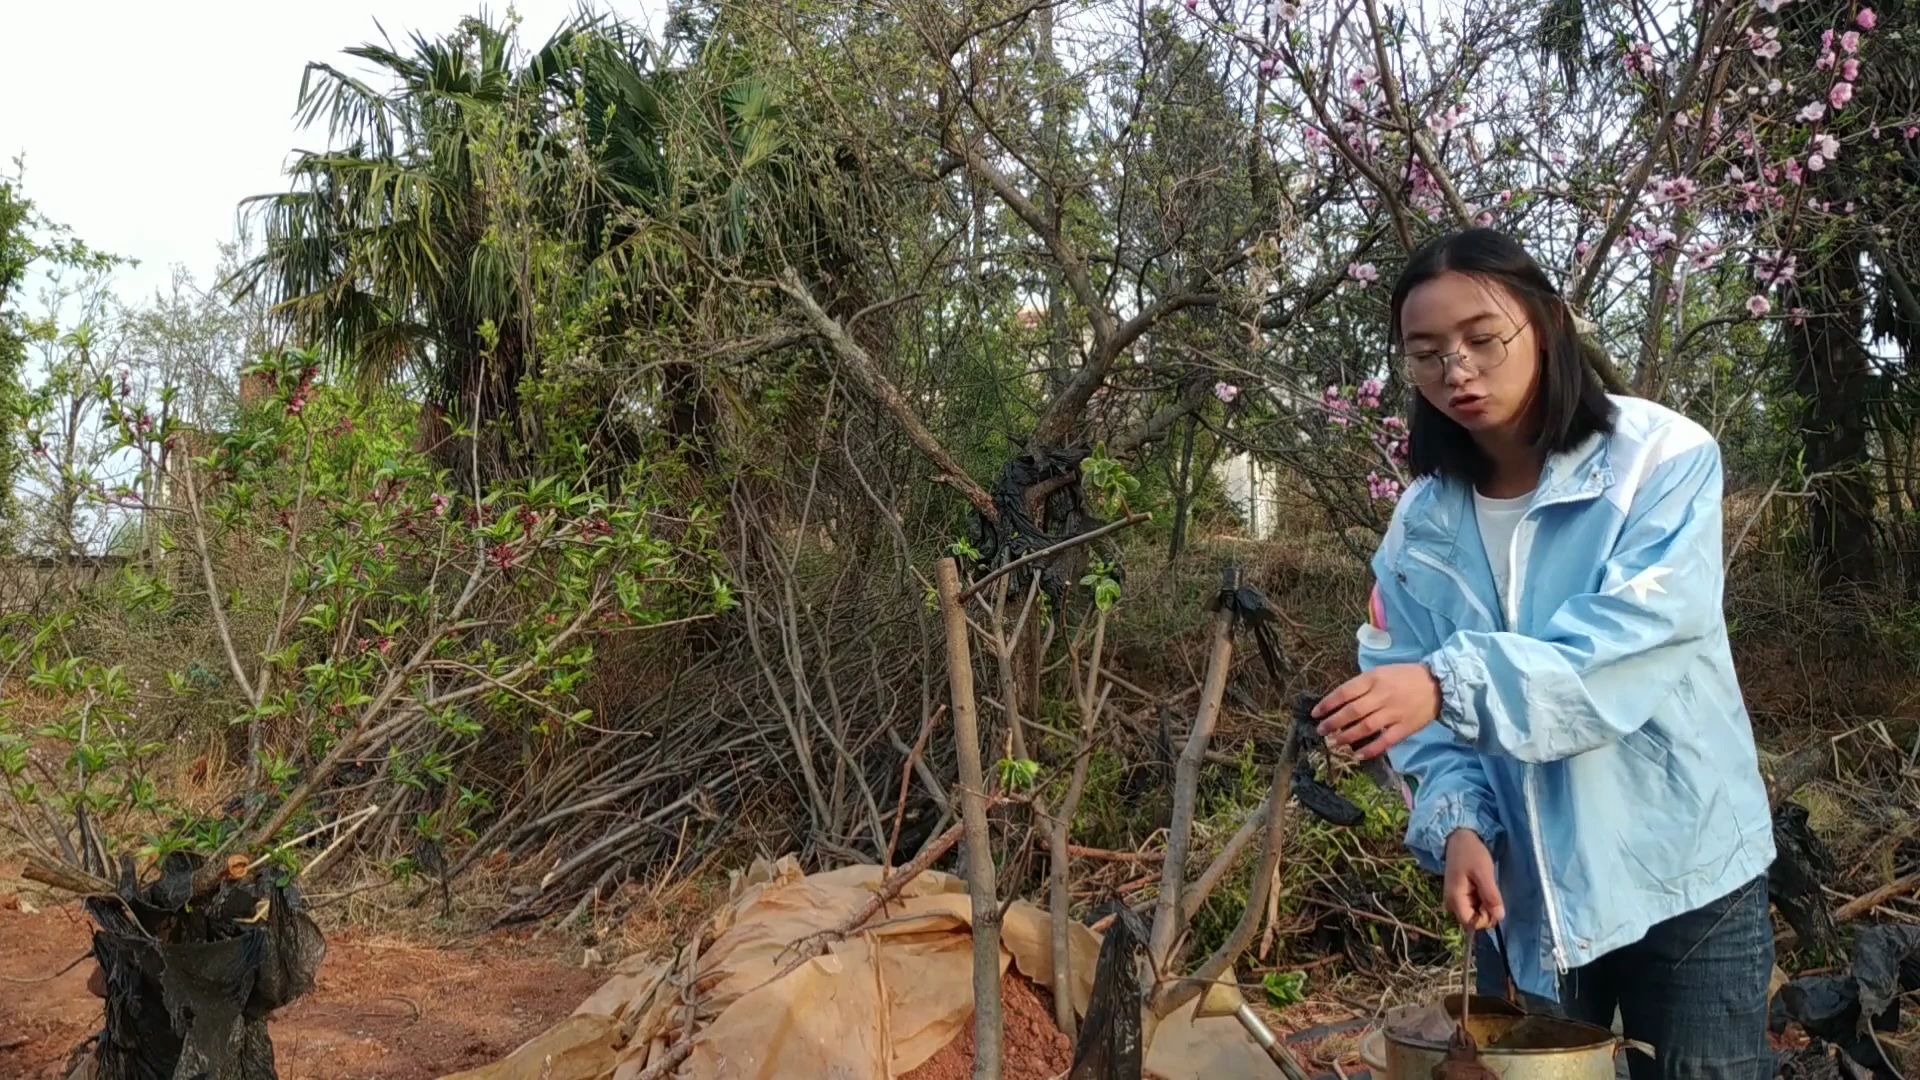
(1285, 987)
(1018, 774)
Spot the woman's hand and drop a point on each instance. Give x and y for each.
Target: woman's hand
(1471, 890)
(1386, 705)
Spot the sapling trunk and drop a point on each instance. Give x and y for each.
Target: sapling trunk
(973, 810)
(1167, 920)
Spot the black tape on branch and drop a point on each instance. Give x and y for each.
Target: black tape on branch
(1110, 1046)
(1063, 514)
(190, 986)
(1251, 610)
(1316, 795)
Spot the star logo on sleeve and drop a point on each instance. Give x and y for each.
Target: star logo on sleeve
(1645, 583)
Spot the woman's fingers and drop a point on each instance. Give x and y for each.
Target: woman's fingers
(1335, 727)
(1471, 887)
(1487, 891)
(1391, 735)
(1346, 692)
(1460, 904)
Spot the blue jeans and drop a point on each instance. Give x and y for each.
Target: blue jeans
(1695, 988)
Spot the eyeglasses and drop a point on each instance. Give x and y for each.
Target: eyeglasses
(1477, 355)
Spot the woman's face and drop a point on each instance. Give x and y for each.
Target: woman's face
(1493, 389)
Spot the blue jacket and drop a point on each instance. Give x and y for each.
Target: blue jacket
(1591, 729)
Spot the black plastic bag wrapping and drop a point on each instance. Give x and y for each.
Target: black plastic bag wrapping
(1846, 1010)
(1063, 514)
(190, 986)
(1886, 964)
(1818, 1060)
(1803, 864)
(1111, 1037)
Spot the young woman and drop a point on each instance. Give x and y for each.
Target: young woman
(1546, 662)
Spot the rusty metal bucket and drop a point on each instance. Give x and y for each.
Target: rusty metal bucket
(1512, 1044)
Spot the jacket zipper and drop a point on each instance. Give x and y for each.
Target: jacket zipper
(1533, 803)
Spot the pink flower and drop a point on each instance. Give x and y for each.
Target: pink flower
(1813, 112)
(1364, 273)
(1850, 42)
(1483, 219)
(1581, 249)
(440, 504)
(1777, 269)
(1867, 19)
(1267, 66)
(1193, 5)
(1911, 133)
(1826, 145)
(1841, 93)
(1675, 189)
(502, 557)
(1826, 39)
(1815, 162)
(1639, 60)
(1445, 122)
(1826, 61)
(1370, 392)
(1850, 70)
(1383, 488)
(1758, 306)
(1226, 392)
(1335, 402)
(1705, 255)
(1798, 316)
(1314, 137)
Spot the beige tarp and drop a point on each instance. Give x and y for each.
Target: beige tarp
(871, 1007)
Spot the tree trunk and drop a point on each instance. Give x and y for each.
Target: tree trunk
(1183, 492)
(1833, 375)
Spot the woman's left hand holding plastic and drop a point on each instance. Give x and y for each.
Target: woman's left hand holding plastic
(1385, 705)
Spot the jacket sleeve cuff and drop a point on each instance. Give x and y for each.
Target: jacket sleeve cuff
(1459, 676)
(1427, 833)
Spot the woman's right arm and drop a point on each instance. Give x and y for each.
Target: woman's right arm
(1450, 786)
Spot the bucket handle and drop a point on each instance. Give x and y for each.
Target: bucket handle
(1622, 1045)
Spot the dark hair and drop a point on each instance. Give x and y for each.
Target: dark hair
(1571, 403)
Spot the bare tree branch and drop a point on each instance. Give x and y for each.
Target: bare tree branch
(867, 373)
(1630, 194)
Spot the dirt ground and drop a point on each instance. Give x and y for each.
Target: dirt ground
(1034, 1048)
(384, 1009)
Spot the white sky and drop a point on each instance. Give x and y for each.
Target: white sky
(144, 124)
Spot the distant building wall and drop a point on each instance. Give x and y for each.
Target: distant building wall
(1251, 489)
